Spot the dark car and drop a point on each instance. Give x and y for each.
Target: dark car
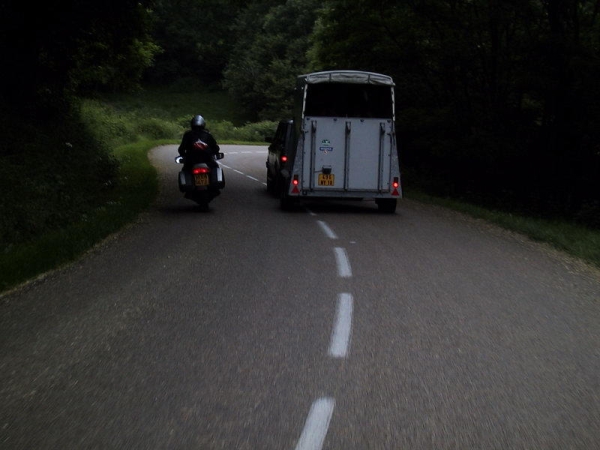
(279, 151)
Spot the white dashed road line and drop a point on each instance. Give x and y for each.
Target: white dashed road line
(317, 424)
(328, 231)
(340, 338)
(343, 264)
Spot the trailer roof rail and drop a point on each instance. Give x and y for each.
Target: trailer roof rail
(346, 76)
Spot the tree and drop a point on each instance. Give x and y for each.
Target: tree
(66, 48)
(195, 38)
(52, 54)
(272, 40)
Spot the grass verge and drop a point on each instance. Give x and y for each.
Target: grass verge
(576, 240)
(135, 189)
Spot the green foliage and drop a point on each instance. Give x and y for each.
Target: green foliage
(252, 132)
(184, 98)
(134, 188)
(273, 39)
(50, 179)
(577, 240)
(165, 113)
(114, 126)
(195, 39)
(65, 49)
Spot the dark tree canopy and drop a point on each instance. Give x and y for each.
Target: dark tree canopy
(54, 50)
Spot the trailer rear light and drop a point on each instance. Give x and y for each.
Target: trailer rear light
(199, 170)
(295, 183)
(283, 158)
(396, 185)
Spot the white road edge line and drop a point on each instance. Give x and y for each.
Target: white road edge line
(328, 231)
(343, 264)
(340, 338)
(317, 424)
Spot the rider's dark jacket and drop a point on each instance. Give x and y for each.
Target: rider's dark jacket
(198, 146)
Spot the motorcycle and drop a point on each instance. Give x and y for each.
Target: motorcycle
(202, 183)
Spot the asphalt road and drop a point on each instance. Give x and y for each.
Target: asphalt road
(330, 327)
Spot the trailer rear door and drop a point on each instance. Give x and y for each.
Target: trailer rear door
(347, 154)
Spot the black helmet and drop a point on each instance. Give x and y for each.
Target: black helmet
(198, 122)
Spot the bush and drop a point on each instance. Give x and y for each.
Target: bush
(55, 175)
(108, 125)
(252, 132)
(152, 128)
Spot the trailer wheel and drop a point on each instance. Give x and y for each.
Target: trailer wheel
(387, 205)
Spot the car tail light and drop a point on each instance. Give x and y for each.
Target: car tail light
(199, 170)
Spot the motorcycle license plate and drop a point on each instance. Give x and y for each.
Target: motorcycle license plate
(201, 179)
(326, 179)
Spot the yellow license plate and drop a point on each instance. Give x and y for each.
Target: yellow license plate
(326, 179)
(201, 179)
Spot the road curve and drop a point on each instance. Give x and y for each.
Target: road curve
(330, 327)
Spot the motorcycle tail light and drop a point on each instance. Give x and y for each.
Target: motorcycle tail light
(199, 170)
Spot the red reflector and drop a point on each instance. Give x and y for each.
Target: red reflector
(284, 158)
(199, 170)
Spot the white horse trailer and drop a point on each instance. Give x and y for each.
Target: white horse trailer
(343, 143)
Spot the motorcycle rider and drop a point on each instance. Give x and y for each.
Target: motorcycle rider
(198, 145)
